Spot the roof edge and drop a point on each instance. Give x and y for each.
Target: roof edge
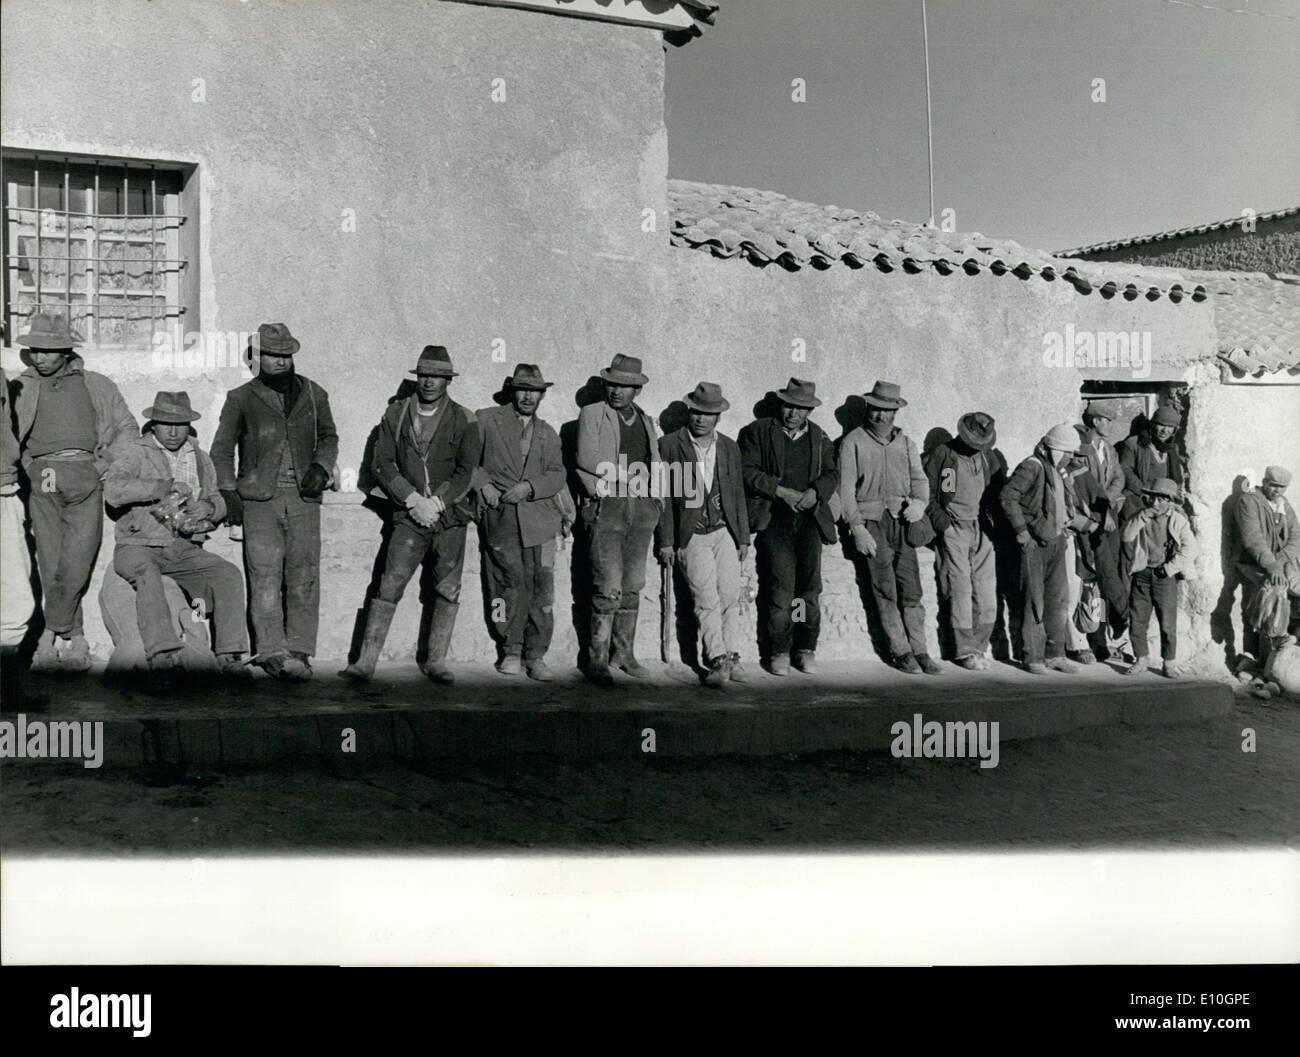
(1162, 236)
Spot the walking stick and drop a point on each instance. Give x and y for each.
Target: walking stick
(666, 619)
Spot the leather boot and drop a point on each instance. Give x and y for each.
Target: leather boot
(622, 653)
(378, 621)
(602, 626)
(440, 629)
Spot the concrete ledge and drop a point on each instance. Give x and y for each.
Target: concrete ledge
(487, 715)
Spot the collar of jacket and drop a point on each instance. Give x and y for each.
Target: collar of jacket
(894, 433)
(273, 399)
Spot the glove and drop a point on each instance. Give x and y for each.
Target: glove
(234, 507)
(913, 512)
(314, 481)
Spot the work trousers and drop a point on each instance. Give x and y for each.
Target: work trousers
(1044, 590)
(894, 578)
(407, 548)
(712, 570)
(1075, 639)
(67, 512)
(282, 557)
(16, 602)
(1161, 593)
(620, 541)
(520, 585)
(968, 579)
(789, 555)
(218, 583)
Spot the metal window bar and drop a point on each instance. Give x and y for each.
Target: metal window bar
(182, 217)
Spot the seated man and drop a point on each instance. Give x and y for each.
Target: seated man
(168, 487)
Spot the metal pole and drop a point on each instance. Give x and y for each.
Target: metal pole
(929, 135)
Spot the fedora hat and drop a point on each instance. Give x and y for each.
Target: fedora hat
(275, 340)
(624, 370)
(1162, 486)
(171, 408)
(706, 397)
(528, 376)
(436, 361)
(886, 395)
(976, 429)
(49, 330)
(799, 393)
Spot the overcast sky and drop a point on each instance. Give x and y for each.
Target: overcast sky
(1201, 118)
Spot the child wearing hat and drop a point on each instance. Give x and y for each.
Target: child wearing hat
(1159, 548)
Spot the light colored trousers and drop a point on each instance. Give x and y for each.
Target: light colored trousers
(1074, 638)
(712, 570)
(968, 576)
(16, 602)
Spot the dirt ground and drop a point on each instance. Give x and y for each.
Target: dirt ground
(1175, 786)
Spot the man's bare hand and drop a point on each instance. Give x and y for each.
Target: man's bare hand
(913, 512)
(742, 552)
(864, 541)
(666, 555)
(517, 493)
(491, 495)
(788, 496)
(807, 500)
(1277, 577)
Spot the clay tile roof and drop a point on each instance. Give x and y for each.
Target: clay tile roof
(1162, 236)
(766, 227)
(1257, 319)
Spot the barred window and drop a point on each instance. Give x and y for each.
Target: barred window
(99, 241)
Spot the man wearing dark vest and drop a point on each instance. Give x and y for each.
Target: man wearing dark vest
(790, 476)
(705, 528)
(521, 470)
(71, 423)
(966, 476)
(617, 466)
(883, 493)
(281, 425)
(425, 454)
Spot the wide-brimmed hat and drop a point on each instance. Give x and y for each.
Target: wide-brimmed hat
(799, 393)
(528, 376)
(171, 408)
(706, 397)
(1278, 475)
(49, 330)
(1166, 415)
(1062, 437)
(624, 370)
(885, 394)
(976, 429)
(1162, 486)
(436, 361)
(274, 339)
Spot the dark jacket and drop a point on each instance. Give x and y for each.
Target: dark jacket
(115, 426)
(502, 465)
(444, 468)
(1136, 455)
(1027, 499)
(1265, 544)
(945, 456)
(762, 456)
(252, 421)
(140, 477)
(678, 520)
(9, 450)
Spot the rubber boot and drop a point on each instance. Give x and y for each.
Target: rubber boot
(378, 621)
(622, 653)
(440, 629)
(602, 627)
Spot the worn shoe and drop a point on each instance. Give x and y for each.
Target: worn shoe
(907, 663)
(438, 672)
(74, 654)
(46, 657)
(737, 673)
(716, 676)
(1085, 657)
(297, 668)
(539, 670)
(271, 663)
(1172, 670)
(1138, 666)
(928, 664)
(1062, 664)
(510, 664)
(806, 662)
(631, 666)
(231, 666)
(972, 662)
(779, 666)
(1036, 668)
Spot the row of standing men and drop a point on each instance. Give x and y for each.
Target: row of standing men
(1091, 523)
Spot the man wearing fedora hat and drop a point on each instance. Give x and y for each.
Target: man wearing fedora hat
(1037, 504)
(71, 424)
(1103, 554)
(617, 466)
(788, 464)
(884, 494)
(708, 540)
(425, 453)
(1160, 549)
(165, 488)
(966, 475)
(520, 471)
(281, 425)
(1268, 548)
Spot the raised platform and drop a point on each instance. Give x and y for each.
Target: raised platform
(401, 714)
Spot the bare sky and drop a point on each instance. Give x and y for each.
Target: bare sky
(1201, 118)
